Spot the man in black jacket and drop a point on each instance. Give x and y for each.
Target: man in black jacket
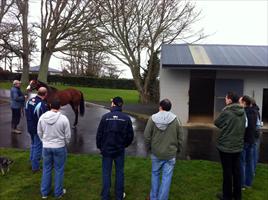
(115, 133)
(249, 141)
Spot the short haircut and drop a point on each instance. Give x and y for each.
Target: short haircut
(247, 100)
(233, 96)
(42, 91)
(118, 101)
(55, 104)
(165, 104)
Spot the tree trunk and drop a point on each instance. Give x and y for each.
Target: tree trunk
(45, 58)
(149, 84)
(25, 43)
(144, 97)
(25, 71)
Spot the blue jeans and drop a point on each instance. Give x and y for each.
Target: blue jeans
(107, 163)
(35, 151)
(53, 157)
(246, 162)
(161, 192)
(256, 151)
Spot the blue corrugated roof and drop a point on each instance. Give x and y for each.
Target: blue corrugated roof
(214, 56)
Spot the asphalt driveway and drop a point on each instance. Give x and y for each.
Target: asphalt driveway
(83, 137)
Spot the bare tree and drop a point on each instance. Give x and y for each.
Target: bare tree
(5, 29)
(23, 7)
(133, 28)
(4, 8)
(87, 62)
(112, 71)
(12, 34)
(65, 25)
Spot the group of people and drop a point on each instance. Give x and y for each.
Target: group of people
(238, 144)
(50, 133)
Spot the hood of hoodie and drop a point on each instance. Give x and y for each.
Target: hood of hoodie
(51, 117)
(162, 119)
(236, 109)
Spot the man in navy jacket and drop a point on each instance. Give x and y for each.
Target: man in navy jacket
(35, 107)
(115, 133)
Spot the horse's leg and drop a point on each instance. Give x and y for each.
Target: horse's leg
(76, 116)
(75, 109)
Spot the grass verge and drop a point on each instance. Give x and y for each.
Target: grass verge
(95, 94)
(192, 180)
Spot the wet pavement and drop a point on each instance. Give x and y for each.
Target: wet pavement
(199, 143)
(83, 137)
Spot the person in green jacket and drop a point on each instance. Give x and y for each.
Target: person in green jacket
(163, 137)
(232, 123)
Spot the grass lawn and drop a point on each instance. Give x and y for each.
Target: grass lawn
(95, 94)
(192, 180)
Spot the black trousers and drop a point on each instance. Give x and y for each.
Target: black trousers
(231, 186)
(16, 113)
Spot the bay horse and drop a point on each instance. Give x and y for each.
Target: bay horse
(70, 96)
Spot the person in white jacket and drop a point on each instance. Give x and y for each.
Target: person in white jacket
(54, 131)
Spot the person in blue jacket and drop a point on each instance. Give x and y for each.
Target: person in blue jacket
(35, 107)
(17, 103)
(114, 134)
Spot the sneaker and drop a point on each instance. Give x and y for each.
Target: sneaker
(36, 171)
(219, 196)
(44, 197)
(124, 195)
(246, 187)
(63, 193)
(16, 131)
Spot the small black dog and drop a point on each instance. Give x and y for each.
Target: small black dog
(4, 164)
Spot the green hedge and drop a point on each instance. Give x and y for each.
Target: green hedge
(77, 81)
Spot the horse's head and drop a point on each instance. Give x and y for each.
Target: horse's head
(34, 85)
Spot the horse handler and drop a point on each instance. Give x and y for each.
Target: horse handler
(17, 103)
(115, 133)
(55, 132)
(35, 107)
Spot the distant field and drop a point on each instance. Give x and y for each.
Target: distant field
(96, 94)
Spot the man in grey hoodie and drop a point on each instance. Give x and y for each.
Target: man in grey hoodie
(163, 136)
(54, 131)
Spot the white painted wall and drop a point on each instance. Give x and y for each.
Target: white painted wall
(254, 82)
(174, 85)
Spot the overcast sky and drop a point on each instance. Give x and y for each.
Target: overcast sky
(242, 22)
(235, 21)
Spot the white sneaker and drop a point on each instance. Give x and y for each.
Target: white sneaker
(44, 197)
(124, 195)
(16, 131)
(63, 193)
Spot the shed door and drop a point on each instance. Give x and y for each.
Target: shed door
(222, 86)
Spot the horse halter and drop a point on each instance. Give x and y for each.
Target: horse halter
(32, 85)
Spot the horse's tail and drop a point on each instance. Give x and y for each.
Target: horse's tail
(82, 104)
